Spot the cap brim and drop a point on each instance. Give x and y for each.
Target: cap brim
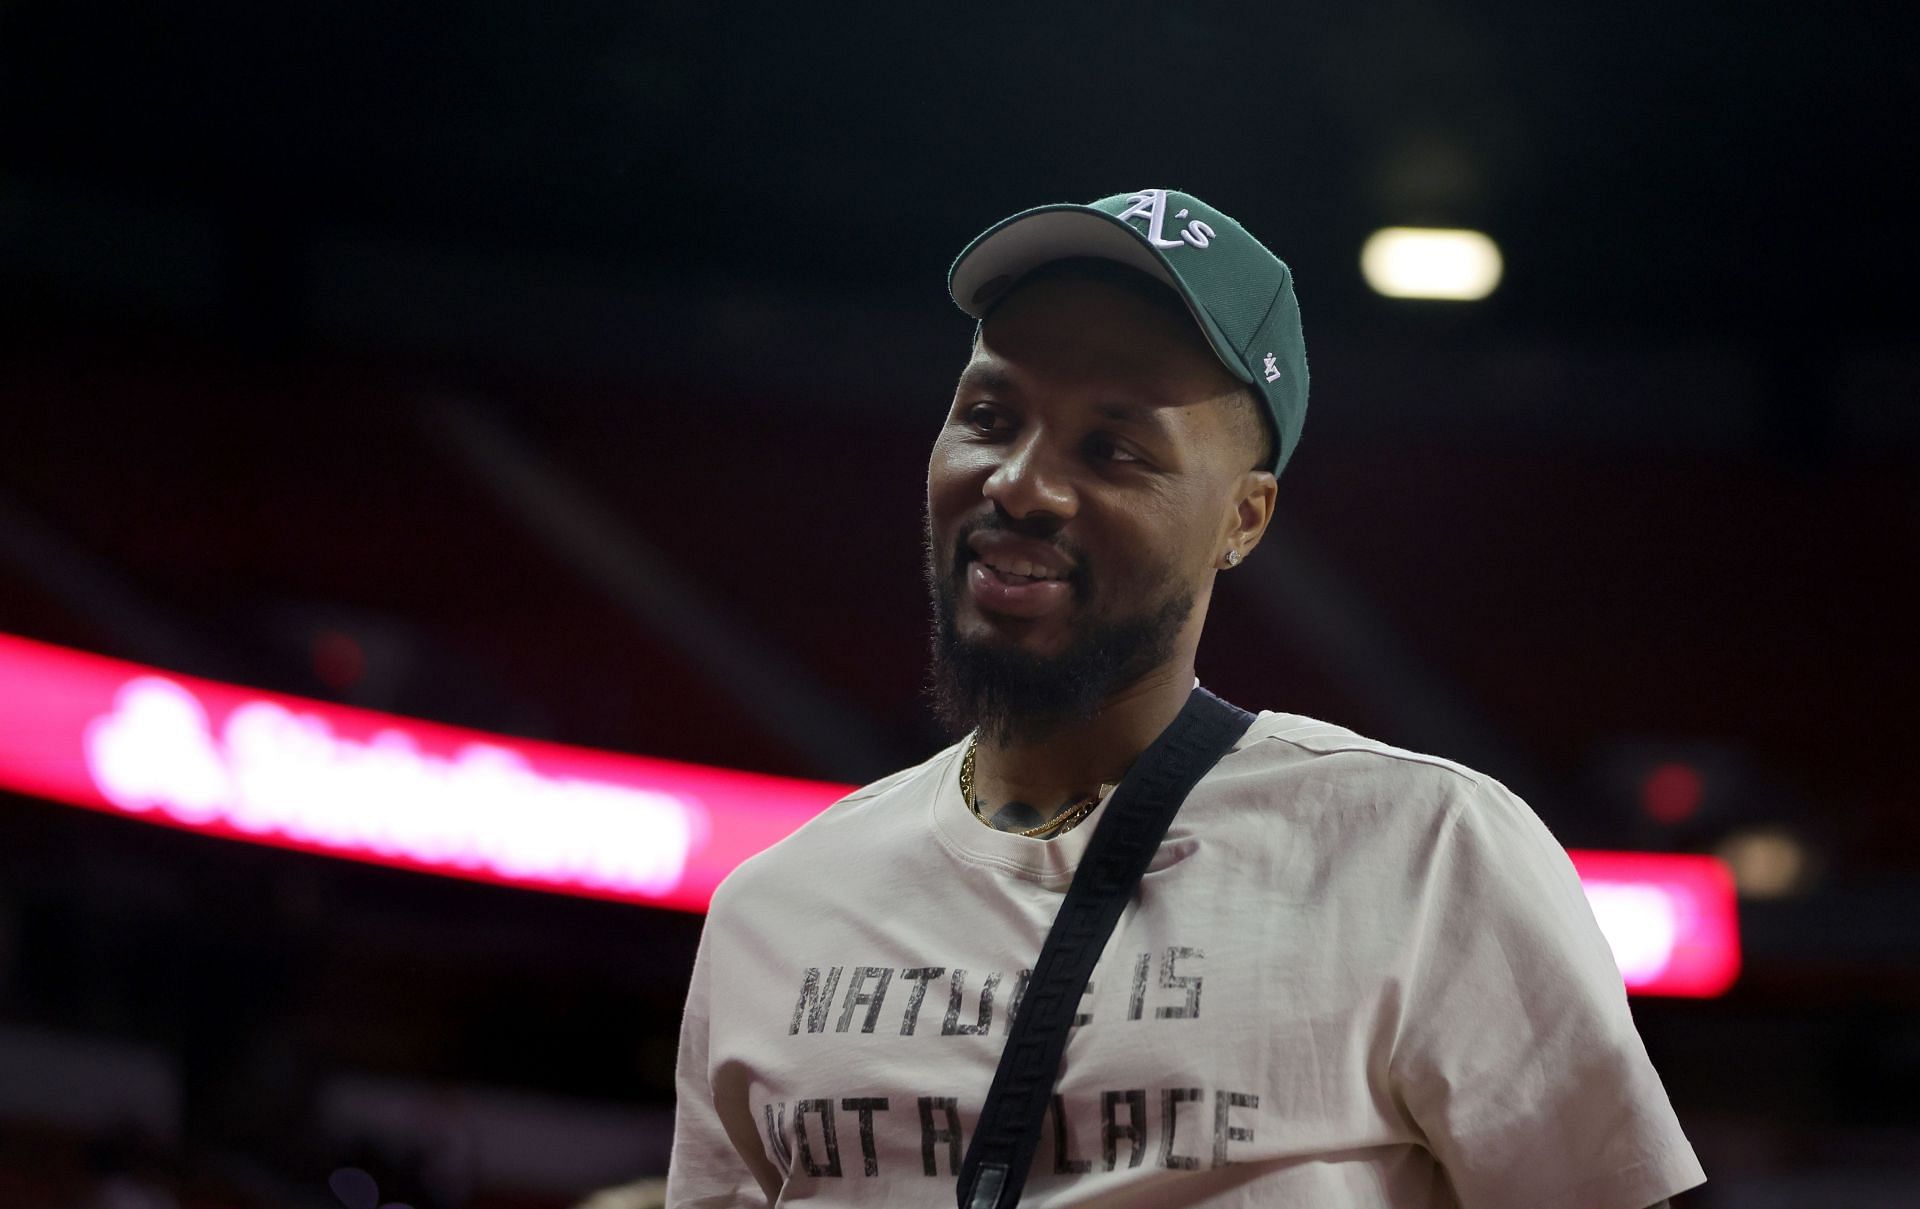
(991, 264)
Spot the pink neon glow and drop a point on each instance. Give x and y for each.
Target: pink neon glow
(273, 771)
(1671, 919)
(270, 769)
(277, 770)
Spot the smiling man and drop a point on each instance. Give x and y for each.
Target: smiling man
(1352, 975)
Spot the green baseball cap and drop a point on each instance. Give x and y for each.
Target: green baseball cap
(1240, 294)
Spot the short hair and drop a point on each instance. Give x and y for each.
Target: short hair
(1246, 410)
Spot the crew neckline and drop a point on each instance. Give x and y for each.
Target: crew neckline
(977, 843)
(1051, 862)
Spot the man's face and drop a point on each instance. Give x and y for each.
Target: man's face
(1079, 493)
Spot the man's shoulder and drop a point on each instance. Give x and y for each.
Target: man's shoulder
(1293, 744)
(860, 820)
(1317, 773)
(911, 780)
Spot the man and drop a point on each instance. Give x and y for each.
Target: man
(1351, 976)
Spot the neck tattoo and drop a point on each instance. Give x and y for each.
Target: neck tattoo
(1019, 818)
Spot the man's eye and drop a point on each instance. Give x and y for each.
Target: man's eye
(986, 418)
(1104, 449)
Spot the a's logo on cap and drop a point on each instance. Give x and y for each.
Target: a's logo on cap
(1151, 204)
(1272, 370)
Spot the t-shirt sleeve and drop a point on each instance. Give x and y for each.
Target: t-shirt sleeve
(717, 1162)
(1516, 1054)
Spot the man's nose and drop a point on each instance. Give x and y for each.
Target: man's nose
(1032, 481)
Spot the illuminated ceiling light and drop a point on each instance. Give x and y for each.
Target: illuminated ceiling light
(1766, 862)
(1430, 262)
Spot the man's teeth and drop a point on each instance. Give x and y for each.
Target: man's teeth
(1025, 568)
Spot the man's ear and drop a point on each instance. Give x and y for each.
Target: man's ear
(1252, 511)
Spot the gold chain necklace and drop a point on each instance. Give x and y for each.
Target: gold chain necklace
(1059, 824)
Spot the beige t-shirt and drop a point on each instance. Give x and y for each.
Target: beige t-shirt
(1353, 976)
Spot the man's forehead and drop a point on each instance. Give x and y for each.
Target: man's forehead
(990, 369)
(985, 370)
(1120, 399)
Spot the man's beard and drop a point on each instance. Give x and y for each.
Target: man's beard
(1016, 697)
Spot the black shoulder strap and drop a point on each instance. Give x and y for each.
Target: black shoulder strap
(1129, 833)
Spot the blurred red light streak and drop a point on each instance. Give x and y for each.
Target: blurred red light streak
(270, 769)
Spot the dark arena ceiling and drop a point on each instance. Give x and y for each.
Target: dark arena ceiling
(1668, 169)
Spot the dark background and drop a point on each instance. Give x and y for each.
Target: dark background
(309, 314)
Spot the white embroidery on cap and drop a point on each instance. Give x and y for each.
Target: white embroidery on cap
(1273, 371)
(1151, 204)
